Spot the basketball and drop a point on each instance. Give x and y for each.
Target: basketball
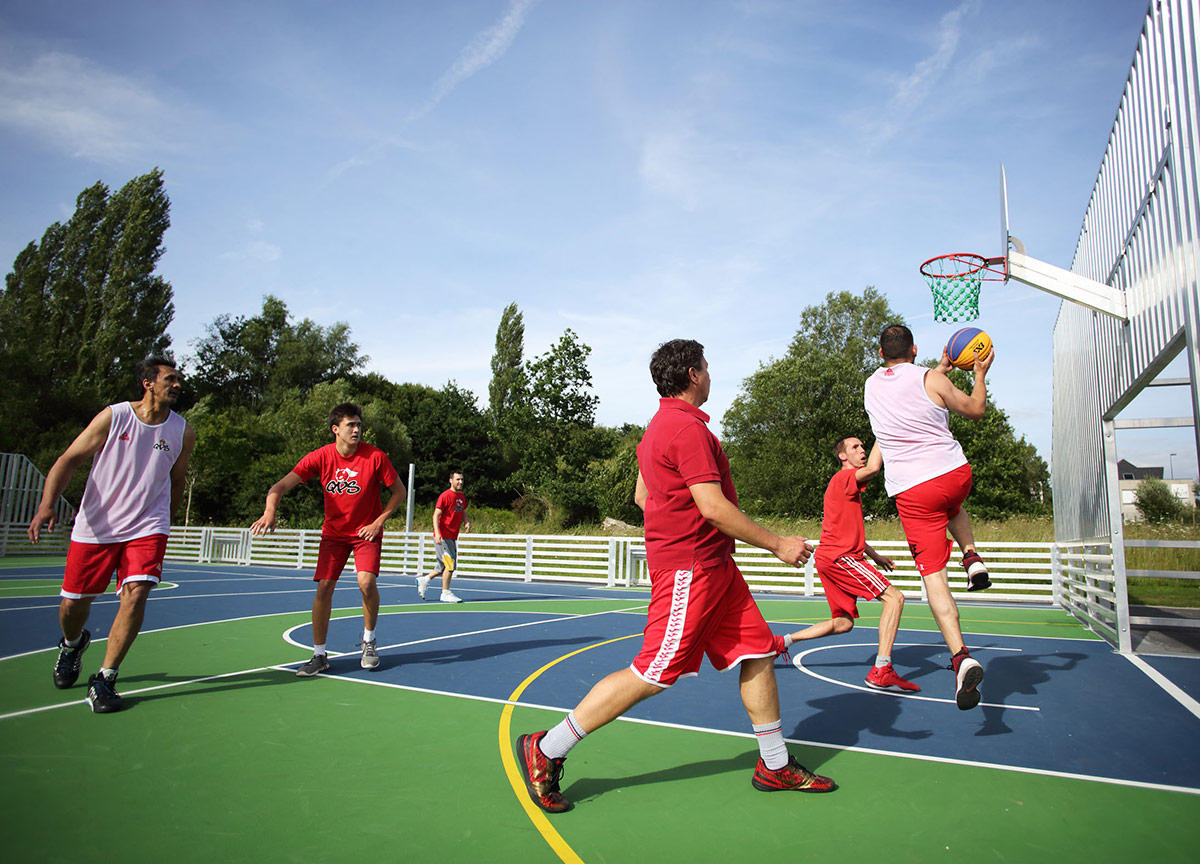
(966, 344)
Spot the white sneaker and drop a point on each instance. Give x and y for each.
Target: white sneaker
(968, 676)
(422, 585)
(450, 597)
(370, 655)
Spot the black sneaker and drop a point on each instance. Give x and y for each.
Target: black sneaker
(102, 695)
(66, 667)
(319, 663)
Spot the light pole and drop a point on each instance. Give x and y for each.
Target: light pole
(1173, 455)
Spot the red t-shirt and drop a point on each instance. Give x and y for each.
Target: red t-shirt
(677, 451)
(352, 486)
(842, 531)
(454, 509)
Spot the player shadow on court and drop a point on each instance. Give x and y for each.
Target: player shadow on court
(589, 788)
(439, 656)
(842, 719)
(258, 678)
(1010, 674)
(913, 662)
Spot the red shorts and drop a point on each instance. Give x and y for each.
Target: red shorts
(925, 512)
(335, 551)
(90, 566)
(706, 610)
(845, 579)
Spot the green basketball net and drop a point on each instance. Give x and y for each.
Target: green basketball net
(955, 281)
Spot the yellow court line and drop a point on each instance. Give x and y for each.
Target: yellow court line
(560, 846)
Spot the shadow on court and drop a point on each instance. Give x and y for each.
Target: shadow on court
(843, 718)
(1018, 673)
(590, 788)
(439, 656)
(263, 678)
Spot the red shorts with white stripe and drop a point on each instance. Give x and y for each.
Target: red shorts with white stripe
(90, 566)
(334, 552)
(925, 513)
(845, 579)
(705, 610)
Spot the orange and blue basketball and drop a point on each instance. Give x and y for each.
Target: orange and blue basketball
(965, 345)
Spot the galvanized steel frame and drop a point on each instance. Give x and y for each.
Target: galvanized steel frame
(1141, 235)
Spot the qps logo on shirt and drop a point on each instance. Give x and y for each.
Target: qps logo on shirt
(458, 506)
(343, 483)
(162, 445)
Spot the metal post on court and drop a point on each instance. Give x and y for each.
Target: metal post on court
(408, 509)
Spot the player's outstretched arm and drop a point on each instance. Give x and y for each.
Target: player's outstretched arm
(266, 522)
(724, 515)
(86, 445)
(970, 406)
(874, 465)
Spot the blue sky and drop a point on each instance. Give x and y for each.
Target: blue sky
(635, 171)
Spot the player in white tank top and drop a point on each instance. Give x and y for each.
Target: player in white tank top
(910, 407)
(140, 453)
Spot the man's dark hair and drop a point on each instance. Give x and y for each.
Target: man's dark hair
(341, 412)
(895, 342)
(840, 447)
(454, 471)
(148, 370)
(670, 364)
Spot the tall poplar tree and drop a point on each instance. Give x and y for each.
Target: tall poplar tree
(508, 372)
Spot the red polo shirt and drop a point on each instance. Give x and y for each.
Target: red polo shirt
(677, 451)
(842, 531)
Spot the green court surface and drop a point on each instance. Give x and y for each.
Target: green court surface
(222, 757)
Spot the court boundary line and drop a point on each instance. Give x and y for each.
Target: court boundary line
(1171, 688)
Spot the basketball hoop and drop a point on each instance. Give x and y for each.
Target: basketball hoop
(955, 280)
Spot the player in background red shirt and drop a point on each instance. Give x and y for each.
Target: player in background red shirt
(449, 515)
(841, 559)
(699, 602)
(352, 474)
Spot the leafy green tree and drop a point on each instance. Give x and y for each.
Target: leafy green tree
(614, 480)
(781, 429)
(79, 310)
(508, 371)
(254, 361)
(1155, 502)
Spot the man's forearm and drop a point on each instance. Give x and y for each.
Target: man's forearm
(732, 522)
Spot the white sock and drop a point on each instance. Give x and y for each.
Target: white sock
(73, 643)
(788, 641)
(368, 635)
(559, 740)
(109, 674)
(771, 746)
(319, 650)
(882, 660)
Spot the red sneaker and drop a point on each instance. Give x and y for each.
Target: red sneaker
(968, 673)
(793, 776)
(885, 678)
(541, 774)
(977, 572)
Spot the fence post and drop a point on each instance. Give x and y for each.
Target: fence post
(528, 559)
(612, 563)
(809, 566)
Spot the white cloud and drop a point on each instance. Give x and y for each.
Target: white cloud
(484, 50)
(259, 250)
(82, 108)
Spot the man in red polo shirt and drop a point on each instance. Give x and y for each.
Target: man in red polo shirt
(352, 473)
(699, 602)
(449, 516)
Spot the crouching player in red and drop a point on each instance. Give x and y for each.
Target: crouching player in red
(842, 565)
(699, 602)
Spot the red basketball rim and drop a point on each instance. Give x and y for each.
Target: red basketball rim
(957, 265)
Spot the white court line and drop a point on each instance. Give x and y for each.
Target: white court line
(287, 635)
(1165, 683)
(799, 665)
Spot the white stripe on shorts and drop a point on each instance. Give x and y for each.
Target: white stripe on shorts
(867, 577)
(674, 629)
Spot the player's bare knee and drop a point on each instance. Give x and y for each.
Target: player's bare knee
(893, 596)
(843, 624)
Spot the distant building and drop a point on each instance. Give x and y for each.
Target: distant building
(1131, 475)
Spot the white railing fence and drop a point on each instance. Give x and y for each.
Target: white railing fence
(1021, 572)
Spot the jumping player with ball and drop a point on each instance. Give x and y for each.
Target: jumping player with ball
(928, 475)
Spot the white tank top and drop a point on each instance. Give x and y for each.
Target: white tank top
(128, 492)
(913, 433)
